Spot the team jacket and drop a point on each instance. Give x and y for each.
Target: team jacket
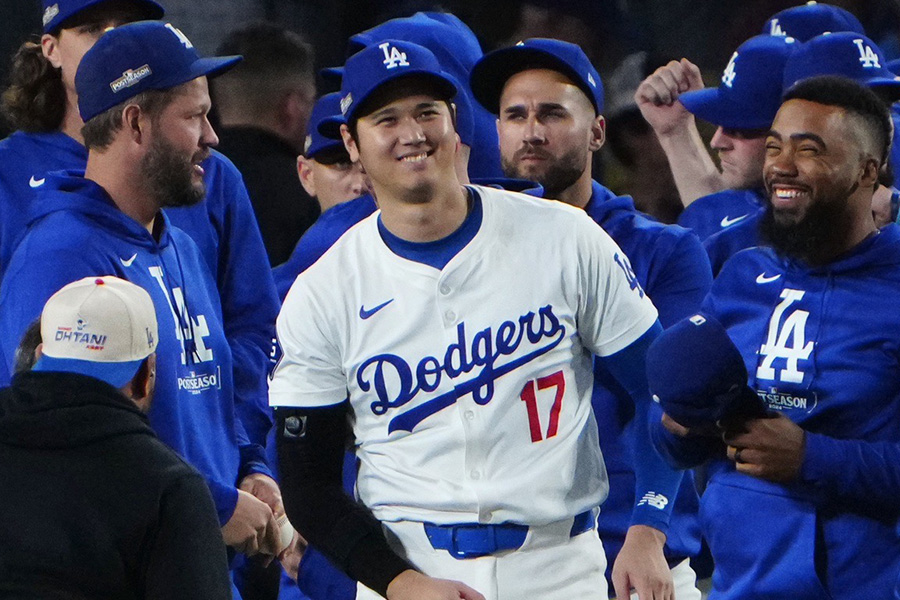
(822, 346)
(223, 226)
(78, 232)
(94, 505)
(671, 266)
(713, 213)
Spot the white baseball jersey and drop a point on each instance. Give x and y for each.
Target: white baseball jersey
(470, 387)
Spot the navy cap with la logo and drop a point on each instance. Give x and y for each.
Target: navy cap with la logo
(811, 19)
(57, 12)
(370, 69)
(749, 93)
(848, 54)
(490, 74)
(134, 58)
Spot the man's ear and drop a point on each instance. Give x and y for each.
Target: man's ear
(349, 143)
(38, 351)
(306, 175)
(50, 49)
(134, 122)
(598, 133)
(140, 388)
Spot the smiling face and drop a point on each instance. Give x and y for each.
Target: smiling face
(819, 178)
(548, 130)
(407, 145)
(182, 137)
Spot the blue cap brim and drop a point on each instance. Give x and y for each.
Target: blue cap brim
(115, 374)
(490, 74)
(332, 75)
(709, 105)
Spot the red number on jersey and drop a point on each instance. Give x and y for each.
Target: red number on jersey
(529, 397)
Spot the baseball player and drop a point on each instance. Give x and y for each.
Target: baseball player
(142, 93)
(742, 107)
(802, 504)
(549, 100)
(42, 100)
(460, 342)
(850, 55)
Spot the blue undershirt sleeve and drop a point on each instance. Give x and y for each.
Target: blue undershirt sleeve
(656, 483)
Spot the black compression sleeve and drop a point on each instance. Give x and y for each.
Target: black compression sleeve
(310, 456)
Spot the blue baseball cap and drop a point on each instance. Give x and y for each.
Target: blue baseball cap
(806, 22)
(698, 376)
(390, 60)
(847, 54)
(749, 94)
(58, 11)
(456, 49)
(326, 107)
(134, 58)
(490, 74)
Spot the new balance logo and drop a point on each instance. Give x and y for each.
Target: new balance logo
(655, 500)
(867, 56)
(729, 74)
(393, 58)
(365, 314)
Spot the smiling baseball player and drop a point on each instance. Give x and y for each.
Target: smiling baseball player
(459, 345)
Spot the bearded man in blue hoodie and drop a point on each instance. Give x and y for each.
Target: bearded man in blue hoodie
(143, 95)
(549, 100)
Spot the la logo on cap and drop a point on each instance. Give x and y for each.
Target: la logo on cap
(775, 28)
(729, 74)
(393, 58)
(867, 56)
(181, 37)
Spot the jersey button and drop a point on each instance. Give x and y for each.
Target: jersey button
(445, 289)
(470, 415)
(476, 475)
(450, 315)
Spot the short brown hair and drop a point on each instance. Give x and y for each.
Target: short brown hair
(100, 130)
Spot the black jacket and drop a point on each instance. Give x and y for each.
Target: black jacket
(93, 505)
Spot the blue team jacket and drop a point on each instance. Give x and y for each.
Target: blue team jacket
(833, 367)
(671, 266)
(711, 214)
(78, 232)
(224, 228)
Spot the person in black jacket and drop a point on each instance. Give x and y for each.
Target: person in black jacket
(93, 504)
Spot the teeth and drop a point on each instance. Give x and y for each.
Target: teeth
(415, 157)
(787, 194)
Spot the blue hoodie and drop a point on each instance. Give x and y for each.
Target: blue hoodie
(672, 268)
(223, 226)
(822, 347)
(719, 211)
(78, 232)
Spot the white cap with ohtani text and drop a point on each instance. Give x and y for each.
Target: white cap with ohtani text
(103, 327)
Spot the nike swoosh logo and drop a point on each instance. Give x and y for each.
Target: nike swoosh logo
(728, 222)
(365, 314)
(763, 279)
(127, 263)
(36, 182)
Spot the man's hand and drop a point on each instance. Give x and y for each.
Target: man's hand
(252, 528)
(676, 428)
(772, 448)
(264, 488)
(292, 555)
(657, 96)
(412, 585)
(642, 567)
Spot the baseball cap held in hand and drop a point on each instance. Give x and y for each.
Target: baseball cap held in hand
(698, 376)
(134, 58)
(99, 326)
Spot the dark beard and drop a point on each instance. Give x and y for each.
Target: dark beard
(560, 175)
(169, 176)
(813, 237)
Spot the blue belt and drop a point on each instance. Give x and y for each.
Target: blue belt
(473, 540)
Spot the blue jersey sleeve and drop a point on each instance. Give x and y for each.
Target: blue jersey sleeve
(861, 473)
(683, 281)
(656, 483)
